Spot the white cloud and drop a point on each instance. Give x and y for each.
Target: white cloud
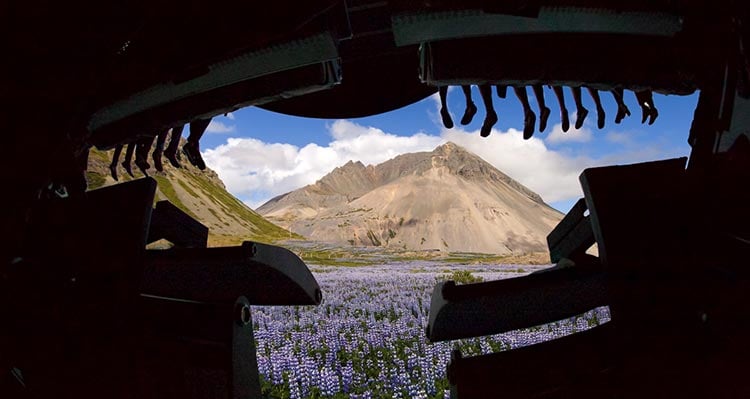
(556, 136)
(249, 166)
(230, 116)
(619, 137)
(219, 127)
(372, 146)
(257, 171)
(549, 173)
(254, 204)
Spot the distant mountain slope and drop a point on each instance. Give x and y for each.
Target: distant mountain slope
(447, 199)
(199, 193)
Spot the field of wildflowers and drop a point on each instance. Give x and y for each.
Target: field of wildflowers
(366, 340)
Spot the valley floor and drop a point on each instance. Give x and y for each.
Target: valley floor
(316, 253)
(366, 339)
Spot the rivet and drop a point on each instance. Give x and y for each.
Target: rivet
(250, 247)
(318, 295)
(243, 315)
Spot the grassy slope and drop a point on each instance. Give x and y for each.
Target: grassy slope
(189, 181)
(232, 210)
(263, 229)
(324, 255)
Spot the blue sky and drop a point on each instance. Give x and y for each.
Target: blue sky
(260, 154)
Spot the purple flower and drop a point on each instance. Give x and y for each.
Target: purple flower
(368, 337)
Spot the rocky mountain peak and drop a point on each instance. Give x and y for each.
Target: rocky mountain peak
(351, 179)
(448, 148)
(446, 199)
(350, 165)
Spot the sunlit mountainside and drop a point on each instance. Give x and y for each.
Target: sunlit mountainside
(199, 193)
(448, 200)
(445, 201)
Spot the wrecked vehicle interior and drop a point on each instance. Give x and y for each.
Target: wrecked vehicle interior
(88, 311)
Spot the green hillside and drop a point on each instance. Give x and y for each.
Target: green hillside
(201, 194)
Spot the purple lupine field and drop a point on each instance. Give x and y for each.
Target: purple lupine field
(366, 340)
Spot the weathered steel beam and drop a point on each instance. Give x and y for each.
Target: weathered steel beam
(310, 50)
(199, 349)
(577, 365)
(172, 224)
(415, 28)
(265, 274)
(472, 310)
(656, 63)
(211, 102)
(573, 235)
(636, 211)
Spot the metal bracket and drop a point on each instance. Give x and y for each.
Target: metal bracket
(197, 350)
(265, 274)
(493, 307)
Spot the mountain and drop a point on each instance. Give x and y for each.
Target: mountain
(199, 193)
(448, 199)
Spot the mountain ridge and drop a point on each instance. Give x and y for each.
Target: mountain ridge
(201, 194)
(387, 171)
(423, 200)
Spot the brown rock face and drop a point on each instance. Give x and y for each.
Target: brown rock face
(448, 199)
